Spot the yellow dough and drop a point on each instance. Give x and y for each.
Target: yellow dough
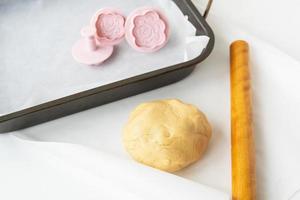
(166, 134)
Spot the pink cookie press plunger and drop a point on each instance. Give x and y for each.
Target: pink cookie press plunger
(96, 46)
(87, 51)
(147, 29)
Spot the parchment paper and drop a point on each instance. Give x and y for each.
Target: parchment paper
(36, 37)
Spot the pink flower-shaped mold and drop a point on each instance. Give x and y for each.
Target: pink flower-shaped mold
(147, 29)
(110, 26)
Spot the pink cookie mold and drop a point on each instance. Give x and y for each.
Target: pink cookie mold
(109, 24)
(147, 29)
(87, 51)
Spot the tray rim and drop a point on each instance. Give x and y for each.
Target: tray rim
(73, 97)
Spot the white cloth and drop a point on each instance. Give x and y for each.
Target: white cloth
(28, 172)
(67, 171)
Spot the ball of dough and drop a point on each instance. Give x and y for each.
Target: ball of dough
(166, 134)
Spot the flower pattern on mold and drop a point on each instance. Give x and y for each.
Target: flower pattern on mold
(149, 30)
(110, 26)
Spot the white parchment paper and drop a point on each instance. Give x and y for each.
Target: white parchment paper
(35, 170)
(36, 37)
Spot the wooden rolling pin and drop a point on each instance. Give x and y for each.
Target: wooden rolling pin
(242, 142)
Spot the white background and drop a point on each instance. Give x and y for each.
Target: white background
(272, 29)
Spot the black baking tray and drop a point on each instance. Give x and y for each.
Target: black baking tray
(117, 90)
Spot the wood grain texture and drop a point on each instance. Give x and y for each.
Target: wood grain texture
(242, 142)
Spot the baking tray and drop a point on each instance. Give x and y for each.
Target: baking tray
(117, 90)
